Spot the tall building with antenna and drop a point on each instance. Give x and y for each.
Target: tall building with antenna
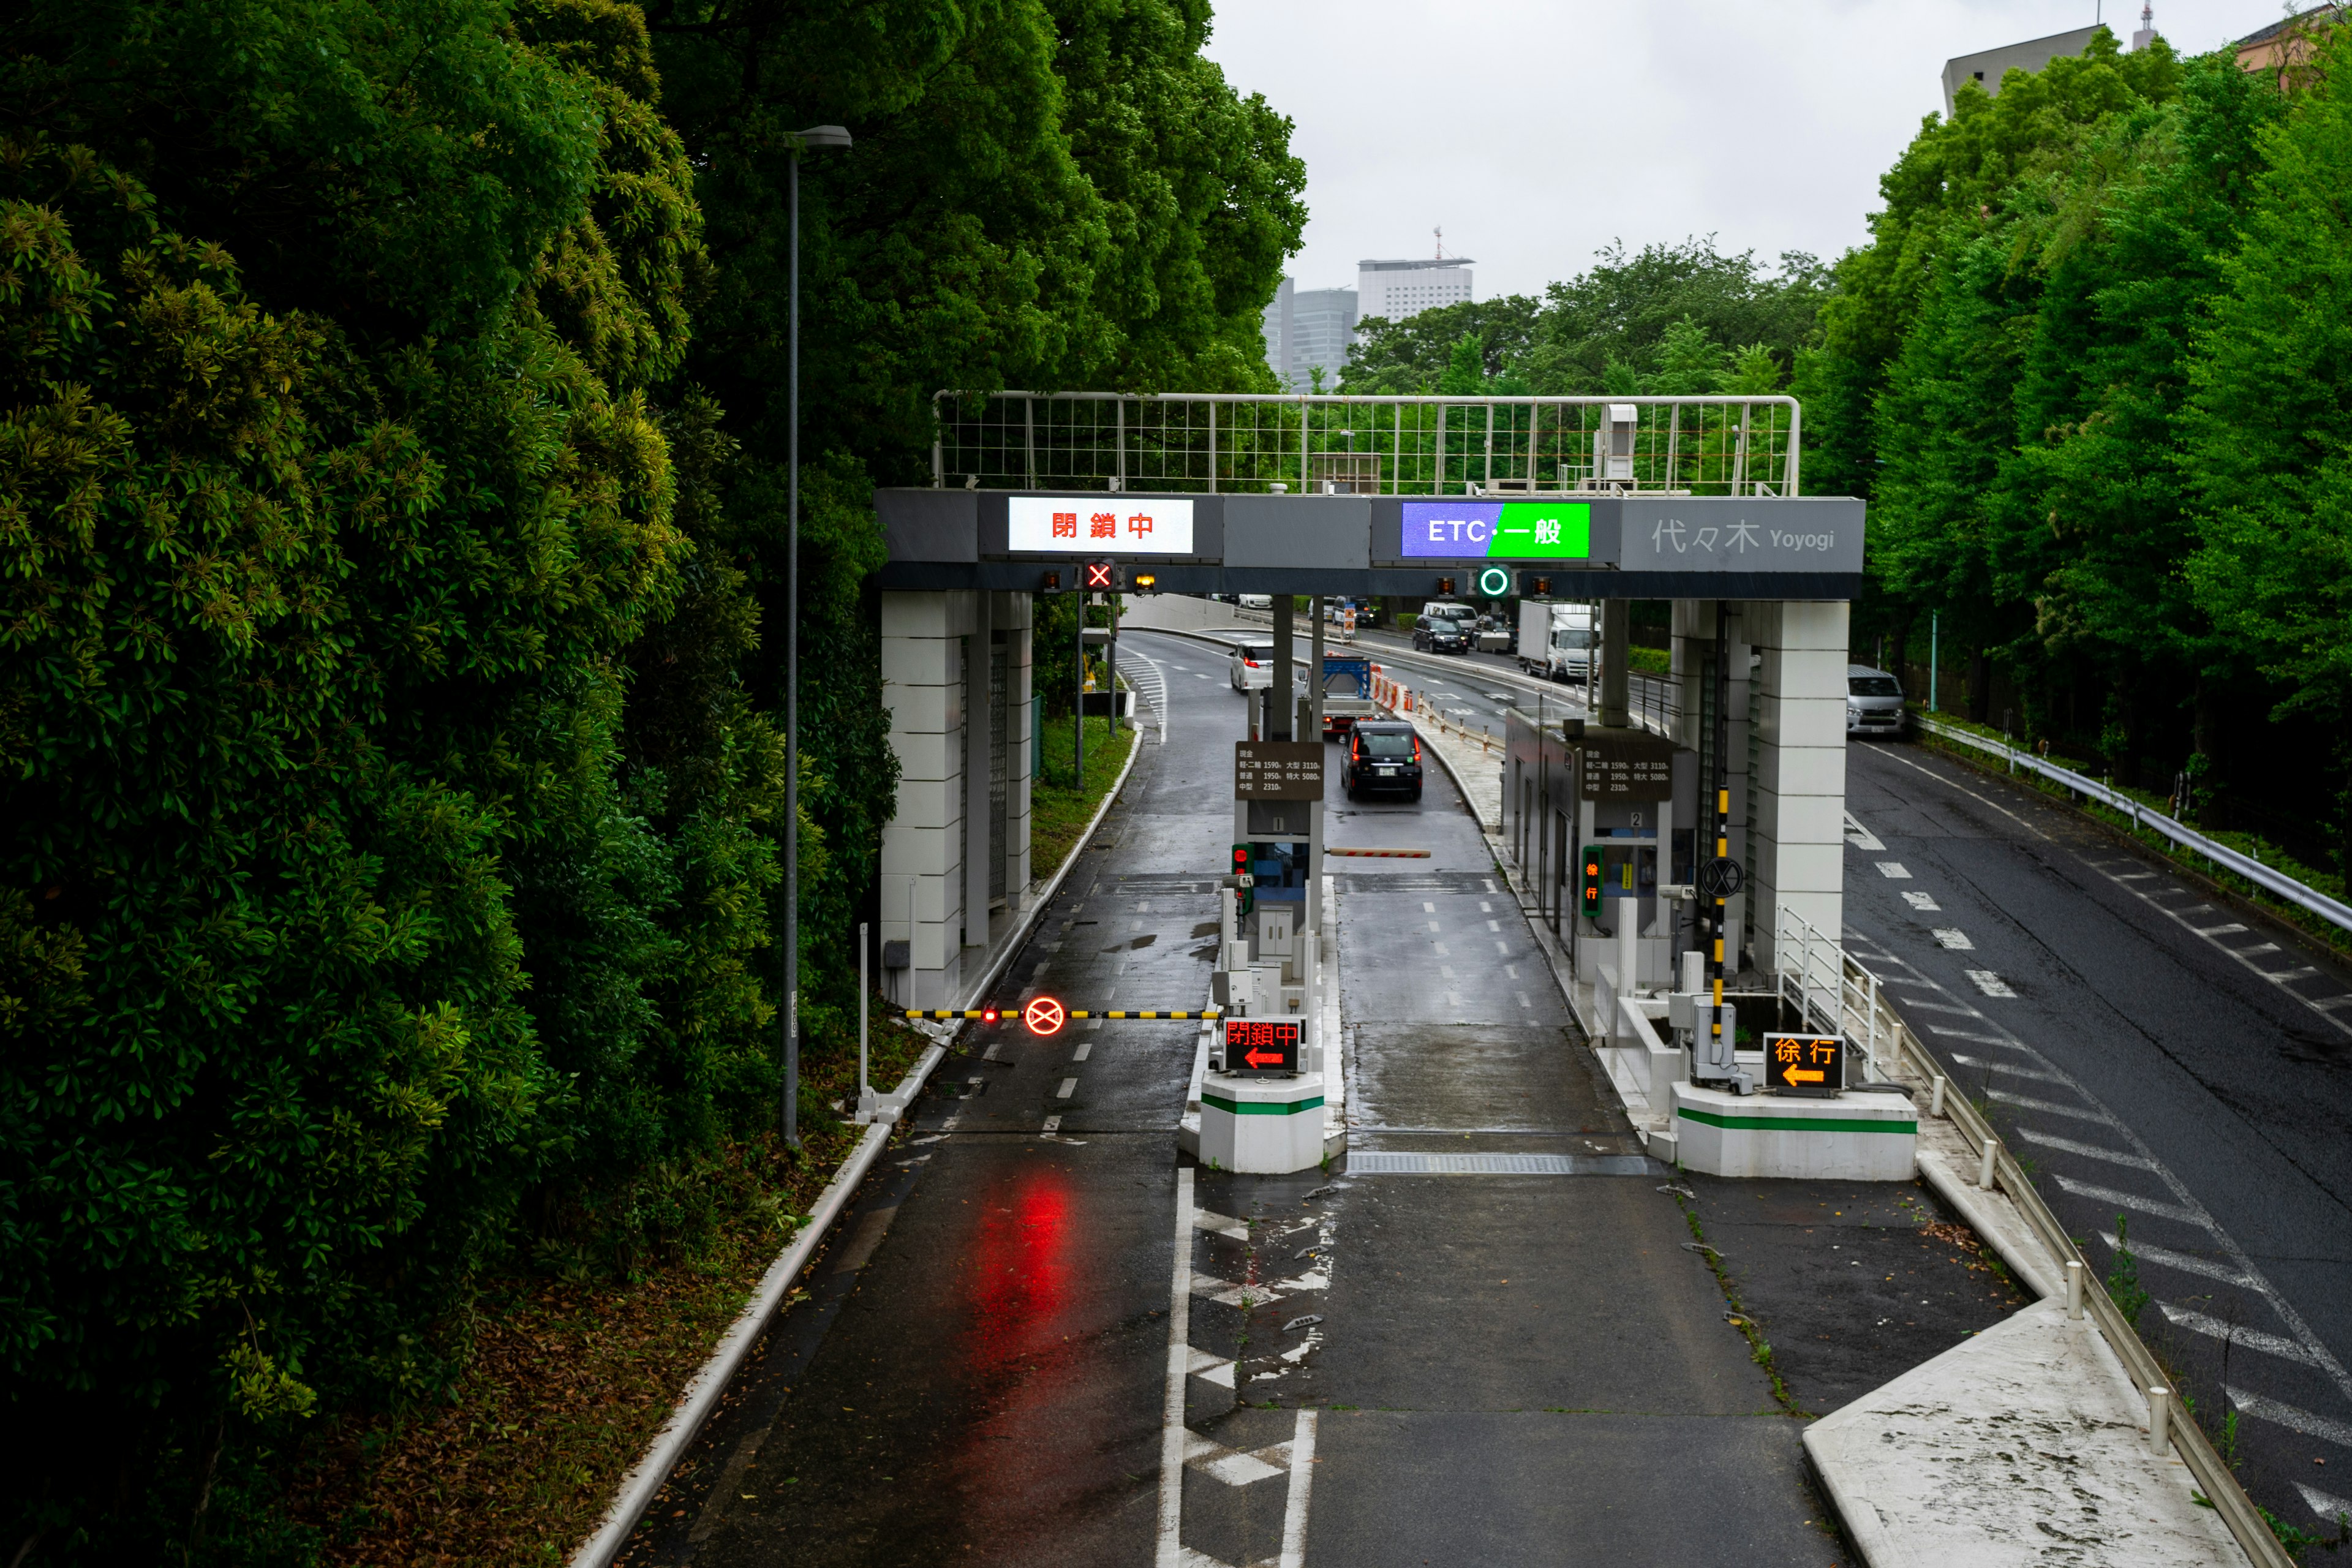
(1395, 289)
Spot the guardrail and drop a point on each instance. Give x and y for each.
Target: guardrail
(1902, 1049)
(2221, 854)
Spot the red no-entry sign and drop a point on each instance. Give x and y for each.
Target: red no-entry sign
(1045, 1016)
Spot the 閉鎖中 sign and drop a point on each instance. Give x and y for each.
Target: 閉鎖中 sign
(1262, 1046)
(1099, 524)
(1804, 1064)
(1277, 770)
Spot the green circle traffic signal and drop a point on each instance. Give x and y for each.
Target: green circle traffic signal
(1493, 582)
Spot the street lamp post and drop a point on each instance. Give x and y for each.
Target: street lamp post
(814, 137)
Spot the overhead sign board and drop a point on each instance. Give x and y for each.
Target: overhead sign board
(1628, 766)
(1279, 770)
(1740, 533)
(1099, 524)
(1498, 530)
(1804, 1064)
(1262, 1047)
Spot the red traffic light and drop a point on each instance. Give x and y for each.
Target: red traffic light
(1101, 576)
(987, 1015)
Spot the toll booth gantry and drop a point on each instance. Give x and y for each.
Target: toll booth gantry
(1695, 500)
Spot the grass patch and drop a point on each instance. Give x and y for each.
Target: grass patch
(1650, 660)
(569, 1372)
(1059, 809)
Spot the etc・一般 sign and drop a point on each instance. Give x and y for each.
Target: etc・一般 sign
(1497, 531)
(1098, 525)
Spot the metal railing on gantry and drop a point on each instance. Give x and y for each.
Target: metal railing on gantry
(1226, 444)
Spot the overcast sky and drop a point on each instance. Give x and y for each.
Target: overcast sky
(1536, 131)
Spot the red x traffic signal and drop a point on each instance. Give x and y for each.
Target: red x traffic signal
(1101, 576)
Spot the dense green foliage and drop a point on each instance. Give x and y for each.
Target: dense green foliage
(1674, 319)
(392, 545)
(2093, 374)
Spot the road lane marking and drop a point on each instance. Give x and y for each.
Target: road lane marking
(2258, 948)
(2049, 1108)
(2326, 1505)
(2088, 1151)
(2007, 1070)
(2235, 1333)
(2231, 930)
(1053, 1126)
(2287, 1416)
(1172, 1399)
(1069, 1087)
(1979, 1039)
(1923, 903)
(2186, 1263)
(2122, 1199)
(1954, 938)
(1302, 1477)
(1897, 757)
(1082, 1052)
(1895, 870)
(1989, 982)
(1861, 838)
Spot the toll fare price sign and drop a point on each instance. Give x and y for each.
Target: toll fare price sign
(1277, 770)
(1627, 767)
(1804, 1064)
(1262, 1047)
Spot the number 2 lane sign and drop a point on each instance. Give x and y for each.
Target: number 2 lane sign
(1045, 1016)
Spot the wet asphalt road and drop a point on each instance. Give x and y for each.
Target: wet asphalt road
(2151, 1052)
(1519, 1368)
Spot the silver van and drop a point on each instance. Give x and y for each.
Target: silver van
(1874, 701)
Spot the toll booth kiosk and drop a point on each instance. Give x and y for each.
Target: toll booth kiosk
(1606, 818)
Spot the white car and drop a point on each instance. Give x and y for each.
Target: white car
(1251, 667)
(1255, 601)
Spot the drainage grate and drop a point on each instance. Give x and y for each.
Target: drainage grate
(1383, 1163)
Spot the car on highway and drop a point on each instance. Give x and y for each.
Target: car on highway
(1250, 667)
(1382, 755)
(1255, 601)
(1874, 701)
(1445, 628)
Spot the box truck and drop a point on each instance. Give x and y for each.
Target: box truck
(1556, 640)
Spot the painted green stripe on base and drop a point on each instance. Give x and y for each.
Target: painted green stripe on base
(1797, 1123)
(1260, 1107)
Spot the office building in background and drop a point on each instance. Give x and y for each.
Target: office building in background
(1395, 289)
(1308, 330)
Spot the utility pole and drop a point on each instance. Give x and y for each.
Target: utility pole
(814, 137)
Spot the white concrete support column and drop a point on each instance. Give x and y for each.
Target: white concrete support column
(1015, 614)
(922, 891)
(978, 657)
(1800, 837)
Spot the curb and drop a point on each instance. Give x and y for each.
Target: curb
(646, 1478)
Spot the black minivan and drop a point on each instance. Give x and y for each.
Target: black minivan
(1382, 755)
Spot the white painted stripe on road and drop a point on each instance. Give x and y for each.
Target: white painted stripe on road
(1923, 903)
(2287, 1416)
(2186, 1263)
(1894, 756)
(1302, 1477)
(1861, 838)
(1960, 1009)
(1895, 870)
(2286, 976)
(2255, 949)
(1052, 1125)
(2231, 930)
(2007, 1071)
(2235, 1333)
(2326, 1505)
(2088, 1151)
(2048, 1107)
(1954, 938)
(2121, 1199)
(1082, 1052)
(1069, 1087)
(1989, 982)
(1982, 1040)
(1172, 1399)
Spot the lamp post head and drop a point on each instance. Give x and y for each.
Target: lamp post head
(817, 136)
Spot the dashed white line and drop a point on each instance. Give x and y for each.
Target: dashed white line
(1923, 903)
(1069, 1087)
(1085, 1049)
(1171, 1402)
(1989, 982)
(1954, 938)
(1861, 838)
(2049, 1108)
(2231, 930)
(2008, 1072)
(1895, 869)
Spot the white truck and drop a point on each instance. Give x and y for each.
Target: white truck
(1556, 640)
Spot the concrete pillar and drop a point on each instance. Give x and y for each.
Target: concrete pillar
(1616, 636)
(977, 742)
(1015, 614)
(1314, 669)
(1799, 860)
(922, 889)
(1278, 700)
